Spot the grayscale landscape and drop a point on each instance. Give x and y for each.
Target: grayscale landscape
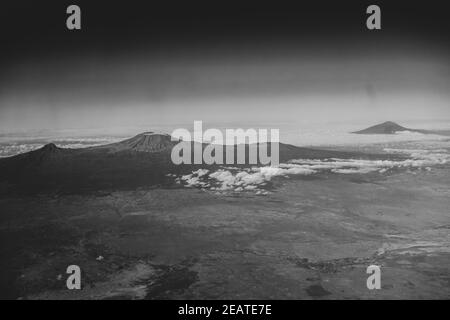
(141, 228)
(94, 95)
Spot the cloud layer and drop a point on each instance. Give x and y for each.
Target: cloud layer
(256, 178)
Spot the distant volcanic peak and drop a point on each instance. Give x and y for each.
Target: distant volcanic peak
(390, 124)
(153, 133)
(144, 142)
(150, 137)
(387, 127)
(50, 147)
(48, 151)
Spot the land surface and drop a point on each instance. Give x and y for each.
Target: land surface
(311, 237)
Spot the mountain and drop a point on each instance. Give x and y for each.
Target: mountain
(390, 127)
(144, 142)
(143, 160)
(387, 127)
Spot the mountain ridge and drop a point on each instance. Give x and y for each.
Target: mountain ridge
(143, 160)
(390, 127)
(144, 142)
(387, 127)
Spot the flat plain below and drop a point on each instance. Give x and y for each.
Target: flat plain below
(309, 238)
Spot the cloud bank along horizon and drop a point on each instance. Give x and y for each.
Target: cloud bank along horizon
(255, 179)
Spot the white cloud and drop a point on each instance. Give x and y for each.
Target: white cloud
(253, 179)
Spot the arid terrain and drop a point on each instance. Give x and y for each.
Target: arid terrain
(211, 150)
(309, 237)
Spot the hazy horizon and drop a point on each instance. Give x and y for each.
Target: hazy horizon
(273, 64)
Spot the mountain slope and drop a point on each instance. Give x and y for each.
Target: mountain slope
(143, 160)
(390, 127)
(387, 127)
(144, 142)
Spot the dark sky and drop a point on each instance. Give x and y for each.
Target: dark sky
(138, 62)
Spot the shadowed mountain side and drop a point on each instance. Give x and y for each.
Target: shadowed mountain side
(143, 160)
(390, 127)
(144, 142)
(387, 127)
